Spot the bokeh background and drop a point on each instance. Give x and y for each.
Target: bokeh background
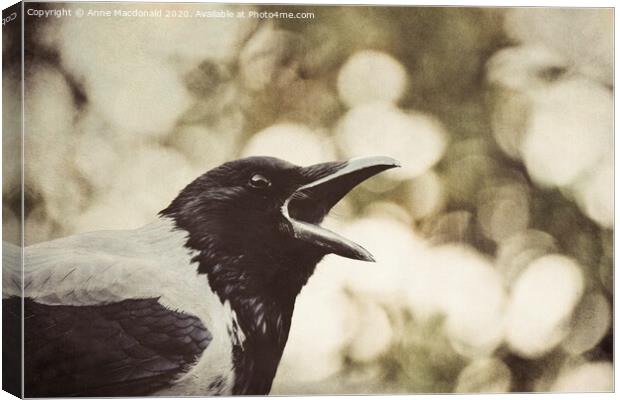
(494, 240)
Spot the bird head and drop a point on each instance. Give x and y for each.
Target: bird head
(264, 207)
(255, 224)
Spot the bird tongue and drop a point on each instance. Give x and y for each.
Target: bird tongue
(312, 201)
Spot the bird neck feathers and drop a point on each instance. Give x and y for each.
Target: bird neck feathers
(263, 310)
(261, 288)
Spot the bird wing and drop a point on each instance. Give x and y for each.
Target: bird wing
(109, 314)
(128, 348)
(11, 320)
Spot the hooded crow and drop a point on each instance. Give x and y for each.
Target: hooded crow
(198, 302)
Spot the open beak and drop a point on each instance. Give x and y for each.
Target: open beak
(325, 185)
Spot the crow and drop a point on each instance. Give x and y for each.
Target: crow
(198, 302)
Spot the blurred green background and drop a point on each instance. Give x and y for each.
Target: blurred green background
(494, 240)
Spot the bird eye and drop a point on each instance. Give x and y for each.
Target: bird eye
(259, 181)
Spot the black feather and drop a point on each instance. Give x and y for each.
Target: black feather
(245, 247)
(117, 349)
